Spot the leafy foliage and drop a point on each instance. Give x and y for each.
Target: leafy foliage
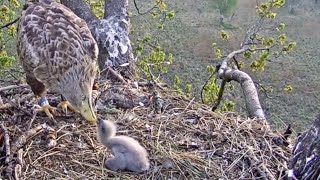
(211, 90)
(153, 61)
(97, 6)
(8, 11)
(288, 89)
(148, 49)
(266, 44)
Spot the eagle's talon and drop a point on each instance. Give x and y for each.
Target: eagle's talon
(65, 105)
(49, 110)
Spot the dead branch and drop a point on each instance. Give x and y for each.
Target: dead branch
(32, 119)
(150, 84)
(19, 165)
(264, 90)
(117, 75)
(249, 90)
(205, 84)
(5, 106)
(264, 170)
(153, 81)
(150, 73)
(13, 87)
(236, 62)
(148, 11)
(10, 23)
(8, 170)
(225, 73)
(22, 140)
(17, 147)
(214, 107)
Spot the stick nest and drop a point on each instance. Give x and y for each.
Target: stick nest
(184, 141)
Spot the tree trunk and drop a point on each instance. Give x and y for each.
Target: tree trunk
(111, 34)
(304, 163)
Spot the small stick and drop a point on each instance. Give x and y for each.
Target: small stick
(153, 81)
(32, 119)
(17, 171)
(14, 87)
(8, 157)
(10, 23)
(214, 107)
(22, 140)
(117, 75)
(5, 106)
(51, 135)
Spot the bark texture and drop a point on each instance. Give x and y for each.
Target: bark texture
(111, 34)
(81, 9)
(249, 90)
(304, 163)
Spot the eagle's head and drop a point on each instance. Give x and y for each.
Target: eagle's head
(78, 90)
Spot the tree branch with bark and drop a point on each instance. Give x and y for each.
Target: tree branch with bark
(254, 43)
(111, 34)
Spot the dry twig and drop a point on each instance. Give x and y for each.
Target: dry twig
(8, 170)
(215, 145)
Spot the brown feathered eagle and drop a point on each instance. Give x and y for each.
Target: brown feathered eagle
(58, 52)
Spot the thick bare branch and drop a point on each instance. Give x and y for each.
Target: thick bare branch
(115, 8)
(249, 90)
(112, 36)
(111, 33)
(80, 8)
(225, 62)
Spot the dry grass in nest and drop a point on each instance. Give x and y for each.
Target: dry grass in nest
(186, 141)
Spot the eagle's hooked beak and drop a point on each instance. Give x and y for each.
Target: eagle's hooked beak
(87, 112)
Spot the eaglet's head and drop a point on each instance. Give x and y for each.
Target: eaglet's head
(78, 90)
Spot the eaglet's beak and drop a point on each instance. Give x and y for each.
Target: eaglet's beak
(87, 112)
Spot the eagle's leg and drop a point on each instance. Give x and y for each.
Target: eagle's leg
(40, 90)
(64, 104)
(45, 107)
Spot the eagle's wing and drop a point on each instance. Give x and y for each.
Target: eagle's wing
(52, 40)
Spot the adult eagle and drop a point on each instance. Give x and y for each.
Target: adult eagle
(58, 52)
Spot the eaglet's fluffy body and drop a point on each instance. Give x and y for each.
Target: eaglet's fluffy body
(128, 153)
(58, 52)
